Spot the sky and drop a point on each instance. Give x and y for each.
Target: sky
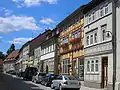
(23, 20)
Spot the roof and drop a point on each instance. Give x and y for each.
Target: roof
(78, 11)
(34, 43)
(12, 55)
(24, 46)
(92, 5)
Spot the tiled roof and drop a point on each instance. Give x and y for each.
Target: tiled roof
(12, 55)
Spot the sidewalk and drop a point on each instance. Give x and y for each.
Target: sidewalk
(87, 88)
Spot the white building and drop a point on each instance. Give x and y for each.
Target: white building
(98, 66)
(10, 61)
(117, 85)
(48, 59)
(37, 57)
(23, 61)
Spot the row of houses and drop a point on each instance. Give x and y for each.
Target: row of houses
(80, 45)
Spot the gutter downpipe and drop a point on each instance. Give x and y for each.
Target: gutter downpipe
(114, 40)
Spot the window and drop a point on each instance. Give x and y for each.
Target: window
(91, 39)
(106, 9)
(74, 67)
(101, 12)
(81, 69)
(87, 40)
(96, 66)
(59, 78)
(78, 34)
(89, 18)
(47, 50)
(65, 40)
(103, 28)
(95, 37)
(52, 47)
(93, 16)
(88, 66)
(44, 51)
(92, 66)
(65, 66)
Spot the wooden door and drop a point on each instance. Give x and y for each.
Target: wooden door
(104, 72)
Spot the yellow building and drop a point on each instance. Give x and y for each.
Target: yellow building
(71, 46)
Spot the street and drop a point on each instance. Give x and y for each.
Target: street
(11, 82)
(8, 82)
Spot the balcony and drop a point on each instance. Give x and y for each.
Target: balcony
(64, 52)
(74, 40)
(63, 45)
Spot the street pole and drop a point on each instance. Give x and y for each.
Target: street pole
(114, 40)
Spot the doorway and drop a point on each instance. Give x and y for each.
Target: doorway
(104, 82)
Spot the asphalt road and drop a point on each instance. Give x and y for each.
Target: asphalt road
(9, 82)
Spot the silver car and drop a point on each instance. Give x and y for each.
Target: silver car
(66, 82)
(38, 77)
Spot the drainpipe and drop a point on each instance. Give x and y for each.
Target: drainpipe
(114, 40)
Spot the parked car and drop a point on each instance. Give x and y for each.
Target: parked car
(66, 82)
(38, 77)
(29, 73)
(12, 72)
(21, 74)
(47, 80)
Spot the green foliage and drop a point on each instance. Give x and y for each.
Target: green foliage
(12, 48)
(2, 56)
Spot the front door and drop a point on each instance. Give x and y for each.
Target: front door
(104, 72)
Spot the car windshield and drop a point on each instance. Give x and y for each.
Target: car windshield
(69, 78)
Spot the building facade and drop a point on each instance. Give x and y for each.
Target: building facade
(23, 60)
(48, 53)
(71, 44)
(10, 61)
(117, 84)
(98, 66)
(37, 57)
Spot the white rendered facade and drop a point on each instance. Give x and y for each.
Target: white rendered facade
(98, 46)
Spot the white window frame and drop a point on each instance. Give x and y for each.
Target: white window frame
(92, 66)
(88, 40)
(65, 66)
(88, 66)
(104, 28)
(91, 39)
(106, 8)
(96, 63)
(101, 11)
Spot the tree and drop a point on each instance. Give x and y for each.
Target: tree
(12, 48)
(2, 56)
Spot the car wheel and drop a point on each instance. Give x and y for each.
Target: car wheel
(45, 84)
(60, 87)
(52, 87)
(34, 81)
